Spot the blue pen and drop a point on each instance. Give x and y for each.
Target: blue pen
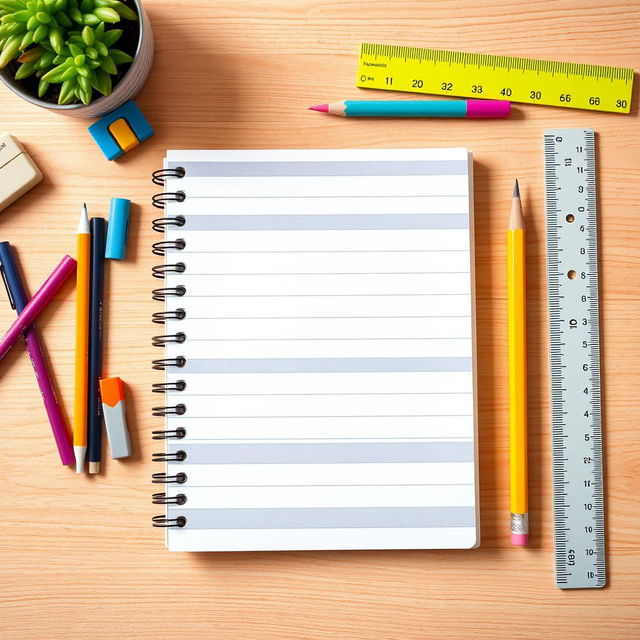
(416, 108)
(96, 294)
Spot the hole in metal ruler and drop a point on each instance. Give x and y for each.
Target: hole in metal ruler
(571, 217)
(572, 275)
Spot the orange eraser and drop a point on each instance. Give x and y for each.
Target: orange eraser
(111, 391)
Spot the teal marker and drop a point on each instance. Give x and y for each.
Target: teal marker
(417, 108)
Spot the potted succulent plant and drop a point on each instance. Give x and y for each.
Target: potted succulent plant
(82, 57)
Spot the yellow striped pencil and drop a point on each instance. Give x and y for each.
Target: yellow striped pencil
(517, 312)
(80, 414)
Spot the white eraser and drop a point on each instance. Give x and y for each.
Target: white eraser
(18, 172)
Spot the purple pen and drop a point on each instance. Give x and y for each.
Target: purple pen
(39, 301)
(18, 299)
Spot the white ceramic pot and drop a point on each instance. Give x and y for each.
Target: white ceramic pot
(127, 88)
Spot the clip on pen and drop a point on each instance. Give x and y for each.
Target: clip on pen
(113, 410)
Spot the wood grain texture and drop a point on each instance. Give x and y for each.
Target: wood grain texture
(79, 557)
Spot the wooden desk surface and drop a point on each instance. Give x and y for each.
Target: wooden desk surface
(79, 557)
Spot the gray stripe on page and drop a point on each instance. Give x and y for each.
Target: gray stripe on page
(323, 365)
(328, 518)
(326, 452)
(328, 169)
(338, 222)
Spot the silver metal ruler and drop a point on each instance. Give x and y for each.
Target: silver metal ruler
(572, 274)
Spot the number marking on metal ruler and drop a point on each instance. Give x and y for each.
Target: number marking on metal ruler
(572, 274)
(477, 75)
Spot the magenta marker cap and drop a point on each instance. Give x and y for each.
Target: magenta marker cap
(488, 108)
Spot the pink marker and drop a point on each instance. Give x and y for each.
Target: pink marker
(41, 298)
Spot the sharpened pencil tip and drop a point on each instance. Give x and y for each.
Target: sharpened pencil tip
(320, 107)
(516, 190)
(83, 225)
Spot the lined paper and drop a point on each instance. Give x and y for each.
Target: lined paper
(328, 397)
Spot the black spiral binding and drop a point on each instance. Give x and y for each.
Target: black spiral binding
(160, 269)
(160, 317)
(166, 292)
(160, 175)
(163, 498)
(161, 341)
(168, 434)
(163, 294)
(163, 387)
(160, 248)
(175, 410)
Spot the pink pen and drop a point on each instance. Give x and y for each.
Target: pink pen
(39, 301)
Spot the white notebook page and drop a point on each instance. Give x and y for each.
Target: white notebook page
(329, 348)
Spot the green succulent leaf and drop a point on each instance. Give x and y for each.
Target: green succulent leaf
(20, 16)
(88, 36)
(84, 82)
(124, 11)
(90, 19)
(75, 14)
(63, 19)
(69, 73)
(43, 17)
(43, 85)
(10, 51)
(109, 66)
(106, 14)
(120, 57)
(40, 33)
(26, 41)
(56, 39)
(101, 82)
(25, 70)
(111, 37)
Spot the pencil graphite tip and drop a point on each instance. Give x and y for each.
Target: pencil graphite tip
(320, 107)
(83, 224)
(516, 190)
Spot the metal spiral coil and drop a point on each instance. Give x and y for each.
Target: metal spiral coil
(161, 248)
(166, 522)
(164, 363)
(169, 434)
(174, 410)
(160, 224)
(158, 200)
(163, 478)
(160, 269)
(163, 387)
(160, 175)
(163, 498)
(176, 456)
(160, 317)
(161, 341)
(162, 294)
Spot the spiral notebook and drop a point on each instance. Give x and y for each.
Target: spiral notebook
(319, 350)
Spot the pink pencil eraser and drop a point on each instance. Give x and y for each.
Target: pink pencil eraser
(520, 539)
(488, 108)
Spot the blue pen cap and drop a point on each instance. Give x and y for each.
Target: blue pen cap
(118, 229)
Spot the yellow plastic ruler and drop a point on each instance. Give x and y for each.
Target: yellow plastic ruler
(476, 75)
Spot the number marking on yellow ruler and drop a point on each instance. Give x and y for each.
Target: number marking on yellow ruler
(476, 75)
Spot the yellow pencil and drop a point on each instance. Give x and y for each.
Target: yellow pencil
(517, 304)
(82, 342)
